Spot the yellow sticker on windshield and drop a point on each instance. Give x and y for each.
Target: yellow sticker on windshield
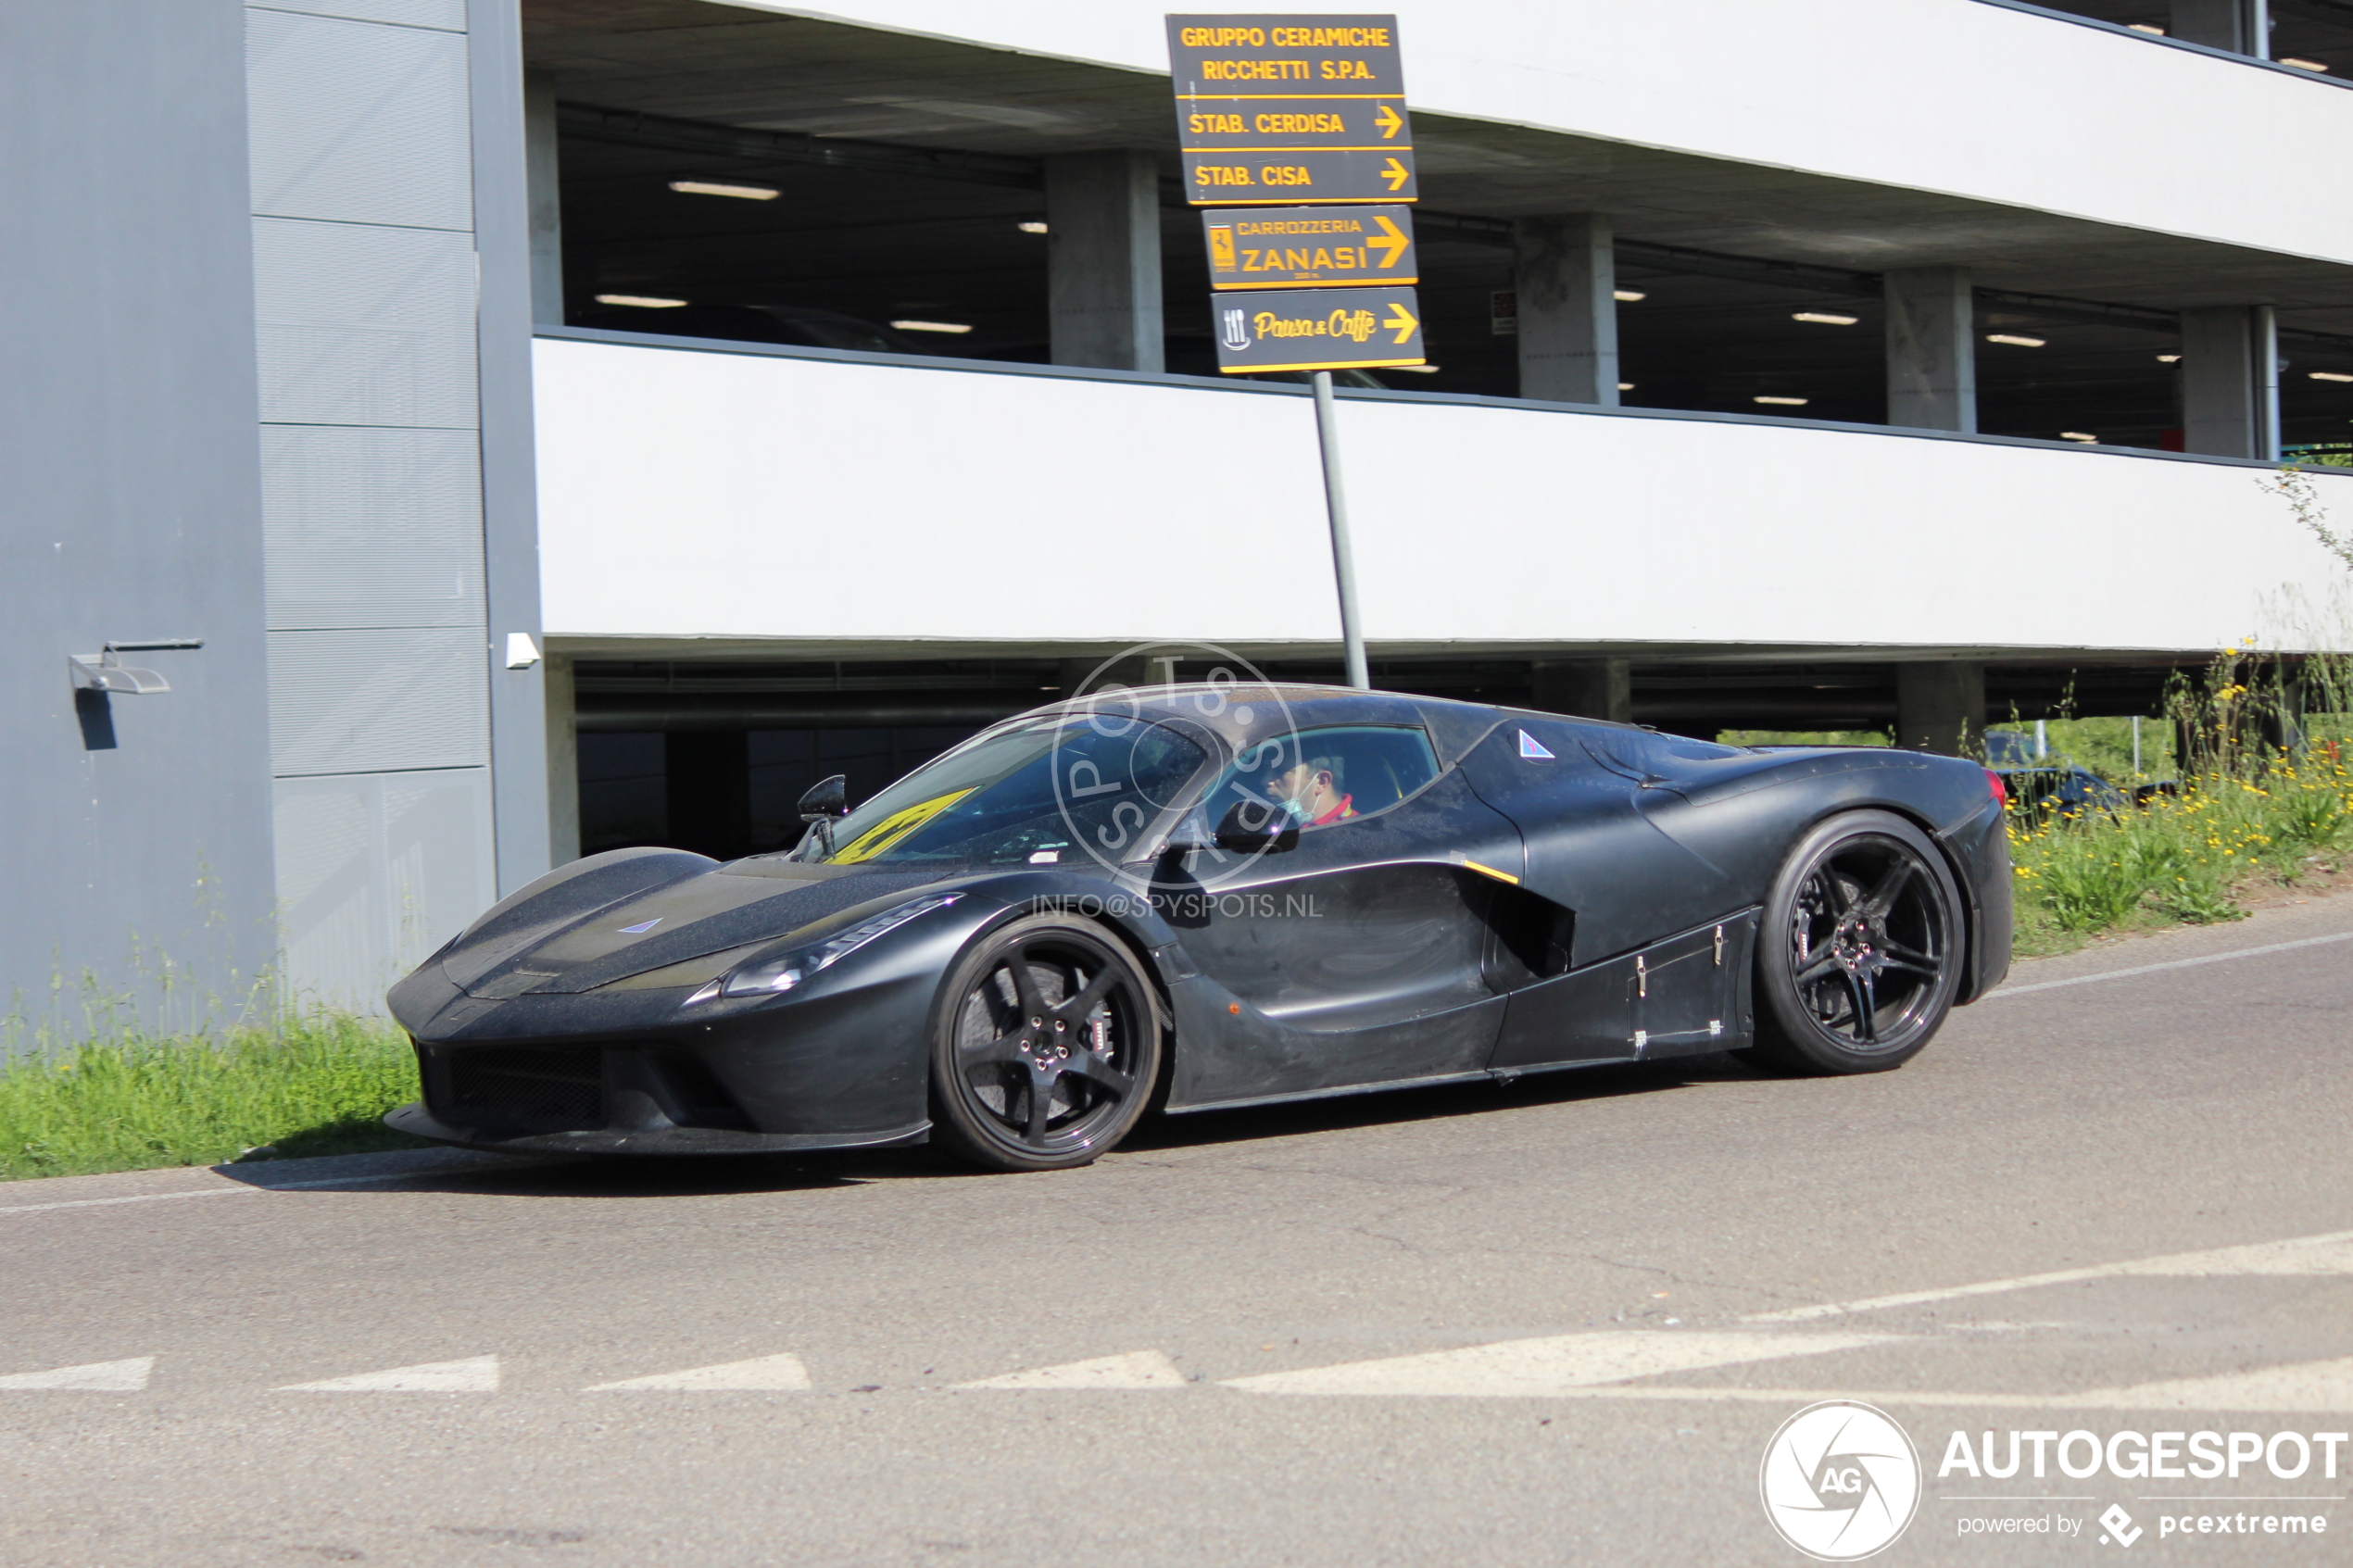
(891, 828)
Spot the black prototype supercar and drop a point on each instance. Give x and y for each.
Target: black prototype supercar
(1209, 895)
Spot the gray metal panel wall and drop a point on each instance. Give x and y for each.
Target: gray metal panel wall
(366, 284)
(524, 755)
(131, 510)
(448, 14)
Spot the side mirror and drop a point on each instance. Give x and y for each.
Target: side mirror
(827, 800)
(1252, 829)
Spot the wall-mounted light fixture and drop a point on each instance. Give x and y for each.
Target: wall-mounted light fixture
(102, 672)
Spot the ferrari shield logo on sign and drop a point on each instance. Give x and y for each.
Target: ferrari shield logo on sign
(1295, 246)
(1320, 329)
(1273, 109)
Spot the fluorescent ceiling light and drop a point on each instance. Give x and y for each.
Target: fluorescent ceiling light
(1785, 402)
(1628, 297)
(642, 301)
(1032, 227)
(2301, 65)
(2084, 436)
(1625, 386)
(2015, 341)
(1824, 319)
(2150, 28)
(1417, 369)
(2331, 375)
(712, 188)
(957, 327)
(2169, 359)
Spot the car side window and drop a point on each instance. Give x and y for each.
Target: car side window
(1320, 778)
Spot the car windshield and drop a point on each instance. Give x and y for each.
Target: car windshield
(1049, 791)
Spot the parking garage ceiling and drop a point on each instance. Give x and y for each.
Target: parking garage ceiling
(702, 61)
(876, 243)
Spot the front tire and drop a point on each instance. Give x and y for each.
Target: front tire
(1046, 1046)
(1861, 949)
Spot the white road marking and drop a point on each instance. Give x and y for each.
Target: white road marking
(2329, 1254)
(1139, 1369)
(477, 1374)
(103, 1377)
(2326, 1388)
(241, 1190)
(2176, 963)
(775, 1374)
(1532, 1368)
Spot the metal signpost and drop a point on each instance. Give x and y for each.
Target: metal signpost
(1294, 130)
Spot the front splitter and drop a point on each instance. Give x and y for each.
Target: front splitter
(417, 1122)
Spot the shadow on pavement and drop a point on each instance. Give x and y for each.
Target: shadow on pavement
(436, 1169)
(1396, 1107)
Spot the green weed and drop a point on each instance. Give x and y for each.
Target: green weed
(317, 1083)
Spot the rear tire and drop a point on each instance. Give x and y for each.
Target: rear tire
(1046, 1046)
(1860, 951)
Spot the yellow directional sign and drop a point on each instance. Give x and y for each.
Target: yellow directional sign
(1291, 108)
(1318, 329)
(1222, 123)
(1258, 178)
(1274, 247)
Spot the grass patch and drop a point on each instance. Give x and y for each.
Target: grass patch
(2195, 858)
(317, 1083)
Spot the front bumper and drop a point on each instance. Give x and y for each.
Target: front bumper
(418, 1121)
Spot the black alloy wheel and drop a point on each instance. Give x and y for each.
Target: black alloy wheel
(1860, 956)
(1047, 1047)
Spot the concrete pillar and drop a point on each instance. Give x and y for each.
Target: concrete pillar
(563, 762)
(1931, 349)
(545, 200)
(1102, 261)
(2241, 26)
(1941, 707)
(1566, 275)
(2231, 382)
(1584, 688)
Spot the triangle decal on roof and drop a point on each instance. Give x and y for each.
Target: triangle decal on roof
(1531, 747)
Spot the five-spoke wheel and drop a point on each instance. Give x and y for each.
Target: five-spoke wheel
(1048, 1045)
(1860, 952)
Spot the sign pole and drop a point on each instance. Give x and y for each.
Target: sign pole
(1298, 145)
(1351, 633)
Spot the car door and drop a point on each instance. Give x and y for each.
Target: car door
(1647, 974)
(1360, 956)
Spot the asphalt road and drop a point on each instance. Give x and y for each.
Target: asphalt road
(1639, 1273)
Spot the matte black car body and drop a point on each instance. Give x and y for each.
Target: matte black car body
(1520, 913)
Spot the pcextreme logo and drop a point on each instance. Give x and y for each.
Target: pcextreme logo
(1840, 1481)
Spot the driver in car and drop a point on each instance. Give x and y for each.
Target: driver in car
(1309, 792)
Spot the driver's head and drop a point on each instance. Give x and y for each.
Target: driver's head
(1307, 789)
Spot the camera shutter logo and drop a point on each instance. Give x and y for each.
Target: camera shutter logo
(1840, 1481)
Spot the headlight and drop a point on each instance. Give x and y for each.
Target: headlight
(771, 977)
